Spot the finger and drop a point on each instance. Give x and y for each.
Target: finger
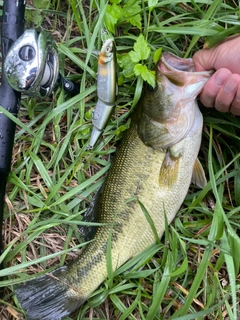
(203, 60)
(199, 66)
(227, 92)
(235, 107)
(213, 86)
(206, 60)
(223, 55)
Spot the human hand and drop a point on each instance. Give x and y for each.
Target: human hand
(222, 90)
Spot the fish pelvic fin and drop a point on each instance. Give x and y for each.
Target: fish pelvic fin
(169, 169)
(198, 175)
(48, 297)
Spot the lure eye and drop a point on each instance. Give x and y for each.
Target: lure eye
(109, 49)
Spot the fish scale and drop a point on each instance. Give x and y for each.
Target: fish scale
(145, 171)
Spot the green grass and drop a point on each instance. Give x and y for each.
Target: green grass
(193, 273)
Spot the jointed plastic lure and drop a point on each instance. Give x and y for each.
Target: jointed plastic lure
(106, 90)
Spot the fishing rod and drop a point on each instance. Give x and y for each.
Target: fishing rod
(30, 66)
(12, 27)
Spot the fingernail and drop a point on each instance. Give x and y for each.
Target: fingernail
(230, 86)
(219, 79)
(238, 97)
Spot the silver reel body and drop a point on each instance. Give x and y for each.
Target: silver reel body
(32, 65)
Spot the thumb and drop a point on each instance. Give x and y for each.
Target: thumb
(204, 60)
(223, 55)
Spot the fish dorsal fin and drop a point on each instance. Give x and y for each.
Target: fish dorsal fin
(169, 170)
(198, 175)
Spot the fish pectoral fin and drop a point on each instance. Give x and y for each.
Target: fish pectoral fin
(169, 169)
(198, 175)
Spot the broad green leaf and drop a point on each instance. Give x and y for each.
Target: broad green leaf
(112, 14)
(157, 55)
(135, 56)
(135, 20)
(141, 50)
(147, 75)
(126, 63)
(152, 4)
(132, 15)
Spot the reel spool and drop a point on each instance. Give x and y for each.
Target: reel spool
(31, 65)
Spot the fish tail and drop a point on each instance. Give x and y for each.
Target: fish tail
(48, 297)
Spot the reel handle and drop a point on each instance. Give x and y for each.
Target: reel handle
(72, 87)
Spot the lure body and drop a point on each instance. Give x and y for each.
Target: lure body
(106, 89)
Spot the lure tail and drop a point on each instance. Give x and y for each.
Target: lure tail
(48, 297)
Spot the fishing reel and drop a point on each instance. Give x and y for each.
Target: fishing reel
(32, 65)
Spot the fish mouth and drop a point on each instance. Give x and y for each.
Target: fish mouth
(180, 71)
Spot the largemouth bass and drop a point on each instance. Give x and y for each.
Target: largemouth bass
(154, 165)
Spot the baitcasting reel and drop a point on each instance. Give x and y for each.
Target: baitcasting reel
(32, 65)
